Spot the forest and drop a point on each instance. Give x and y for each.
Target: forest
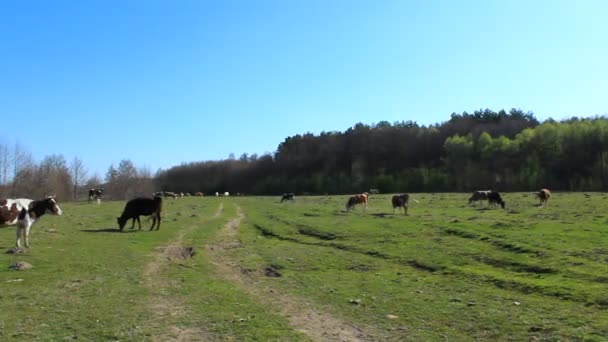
(504, 151)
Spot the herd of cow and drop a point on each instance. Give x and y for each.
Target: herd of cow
(25, 212)
(402, 200)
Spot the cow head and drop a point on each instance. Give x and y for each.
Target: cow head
(121, 222)
(50, 206)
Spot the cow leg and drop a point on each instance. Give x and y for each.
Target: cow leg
(158, 222)
(405, 210)
(153, 222)
(138, 222)
(18, 242)
(27, 235)
(133, 223)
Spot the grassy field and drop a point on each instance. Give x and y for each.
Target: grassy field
(307, 270)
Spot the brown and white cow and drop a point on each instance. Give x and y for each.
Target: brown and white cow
(543, 195)
(357, 199)
(24, 213)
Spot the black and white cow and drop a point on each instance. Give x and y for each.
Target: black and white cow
(95, 195)
(24, 213)
(479, 195)
(495, 199)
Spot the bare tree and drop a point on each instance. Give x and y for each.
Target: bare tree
(4, 167)
(53, 177)
(79, 174)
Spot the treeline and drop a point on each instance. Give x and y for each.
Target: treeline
(506, 151)
(21, 176)
(393, 157)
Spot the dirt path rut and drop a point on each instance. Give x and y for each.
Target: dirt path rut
(165, 305)
(303, 316)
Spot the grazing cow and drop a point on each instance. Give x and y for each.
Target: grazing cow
(479, 195)
(287, 197)
(401, 201)
(495, 199)
(357, 199)
(198, 194)
(95, 195)
(29, 212)
(543, 195)
(226, 194)
(141, 206)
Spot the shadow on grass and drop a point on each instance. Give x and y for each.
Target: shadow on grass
(381, 215)
(108, 230)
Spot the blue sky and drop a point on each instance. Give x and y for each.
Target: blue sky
(165, 82)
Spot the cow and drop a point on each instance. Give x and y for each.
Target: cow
(401, 201)
(25, 212)
(495, 199)
(95, 195)
(479, 195)
(165, 194)
(543, 195)
(357, 199)
(287, 197)
(198, 194)
(138, 207)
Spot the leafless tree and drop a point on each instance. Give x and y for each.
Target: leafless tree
(79, 174)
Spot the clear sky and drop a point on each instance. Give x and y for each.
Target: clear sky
(165, 82)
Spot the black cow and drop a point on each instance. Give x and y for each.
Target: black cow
(287, 197)
(401, 201)
(141, 206)
(95, 194)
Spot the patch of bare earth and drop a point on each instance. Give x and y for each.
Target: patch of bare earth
(303, 316)
(219, 211)
(164, 305)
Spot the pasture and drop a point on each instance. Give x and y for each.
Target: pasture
(256, 269)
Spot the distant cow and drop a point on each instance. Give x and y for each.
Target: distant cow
(543, 195)
(479, 195)
(287, 197)
(95, 195)
(141, 206)
(495, 199)
(198, 194)
(25, 212)
(357, 199)
(165, 194)
(401, 201)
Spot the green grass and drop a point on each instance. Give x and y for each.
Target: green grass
(447, 271)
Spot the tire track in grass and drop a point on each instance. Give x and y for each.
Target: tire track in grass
(165, 305)
(302, 315)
